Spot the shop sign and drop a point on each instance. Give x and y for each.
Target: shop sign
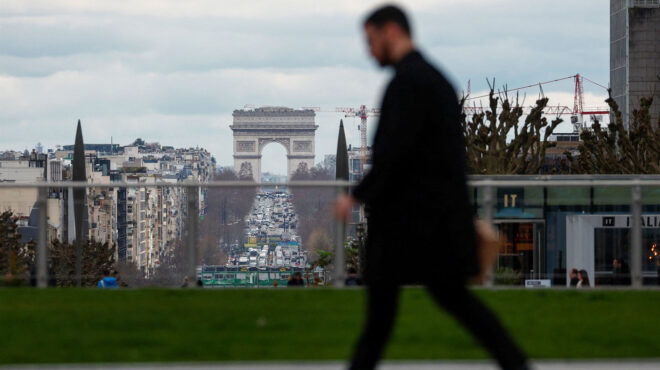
(646, 221)
(510, 198)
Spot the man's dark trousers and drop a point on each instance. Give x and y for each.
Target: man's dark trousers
(382, 305)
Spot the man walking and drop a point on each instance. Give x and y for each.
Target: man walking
(419, 138)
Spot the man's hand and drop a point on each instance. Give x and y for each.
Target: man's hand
(344, 207)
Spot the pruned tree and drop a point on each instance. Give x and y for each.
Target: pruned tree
(97, 260)
(617, 150)
(498, 143)
(16, 258)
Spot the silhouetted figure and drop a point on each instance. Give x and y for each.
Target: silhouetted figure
(352, 278)
(418, 134)
(296, 280)
(52, 281)
(583, 279)
(574, 277)
(620, 272)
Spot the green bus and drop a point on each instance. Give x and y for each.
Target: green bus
(241, 277)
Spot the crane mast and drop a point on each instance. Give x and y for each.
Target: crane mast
(363, 113)
(363, 137)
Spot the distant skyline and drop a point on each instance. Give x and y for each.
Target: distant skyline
(173, 72)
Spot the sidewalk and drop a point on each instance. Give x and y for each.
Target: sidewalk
(391, 365)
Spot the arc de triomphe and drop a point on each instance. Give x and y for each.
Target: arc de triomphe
(254, 129)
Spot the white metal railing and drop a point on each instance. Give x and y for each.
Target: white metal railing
(488, 184)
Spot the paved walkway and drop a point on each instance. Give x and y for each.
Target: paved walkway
(392, 365)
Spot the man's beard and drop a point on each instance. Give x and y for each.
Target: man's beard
(385, 61)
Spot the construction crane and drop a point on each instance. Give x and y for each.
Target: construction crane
(363, 113)
(576, 113)
(578, 110)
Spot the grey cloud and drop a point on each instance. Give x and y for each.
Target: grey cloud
(62, 37)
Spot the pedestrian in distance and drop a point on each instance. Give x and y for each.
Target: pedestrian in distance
(574, 277)
(419, 119)
(107, 281)
(295, 280)
(352, 278)
(620, 272)
(583, 279)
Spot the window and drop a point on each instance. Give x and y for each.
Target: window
(646, 3)
(355, 164)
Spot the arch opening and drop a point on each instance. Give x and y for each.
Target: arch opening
(274, 163)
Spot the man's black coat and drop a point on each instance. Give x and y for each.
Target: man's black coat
(420, 225)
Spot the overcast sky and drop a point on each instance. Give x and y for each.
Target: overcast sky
(173, 71)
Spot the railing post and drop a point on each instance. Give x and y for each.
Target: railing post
(636, 237)
(191, 233)
(339, 249)
(42, 240)
(488, 217)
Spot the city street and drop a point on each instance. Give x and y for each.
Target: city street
(272, 220)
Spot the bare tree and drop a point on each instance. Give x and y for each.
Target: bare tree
(97, 260)
(313, 205)
(16, 258)
(224, 221)
(173, 267)
(498, 143)
(617, 150)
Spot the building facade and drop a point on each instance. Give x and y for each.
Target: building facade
(635, 54)
(144, 223)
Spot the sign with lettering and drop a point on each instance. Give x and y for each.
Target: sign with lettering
(609, 221)
(624, 221)
(510, 198)
(538, 283)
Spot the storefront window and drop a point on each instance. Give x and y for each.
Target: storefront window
(614, 243)
(517, 251)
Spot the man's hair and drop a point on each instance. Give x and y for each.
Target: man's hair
(389, 13)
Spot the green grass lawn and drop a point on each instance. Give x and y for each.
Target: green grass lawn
(69, 325)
